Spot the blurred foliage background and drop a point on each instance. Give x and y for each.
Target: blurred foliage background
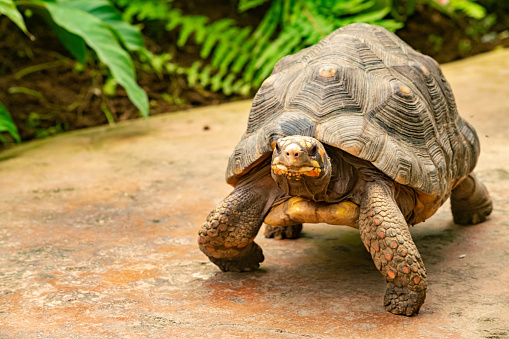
(69, 64)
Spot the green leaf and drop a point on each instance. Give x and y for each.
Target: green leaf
(470, 8)
(215, 32)
(8, 8)
(226, 51)
(174, 19)
(239, 63)
(192, 73)
(98, 36)
(74, 43)
(217, 81)
(351, 7)
(201, 31)
(208, 45)
(369, 17)
(244, 5)
(7, 125)
(240, 86)
(205, 75)
(391, 25)
(128, 34)
(228, 84)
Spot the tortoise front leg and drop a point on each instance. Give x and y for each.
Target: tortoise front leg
(227, 236)
(385, 234)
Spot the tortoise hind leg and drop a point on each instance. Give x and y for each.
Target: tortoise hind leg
(470, 202)
(385, 234)
(282, 232)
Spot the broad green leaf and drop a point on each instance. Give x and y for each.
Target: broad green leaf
(97, 35)
(7, 125)
(74, 43)
(8, 8)
(128, 34)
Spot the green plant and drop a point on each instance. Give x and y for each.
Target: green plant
(237, 59)
(8, 8)
(437, 42)
(89, 25)
(402, 9)
(7, 125)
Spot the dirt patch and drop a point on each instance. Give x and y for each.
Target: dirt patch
(46, 94)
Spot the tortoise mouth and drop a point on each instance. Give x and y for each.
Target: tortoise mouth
(296, 171)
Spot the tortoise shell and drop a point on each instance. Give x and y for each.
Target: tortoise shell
(363, 90)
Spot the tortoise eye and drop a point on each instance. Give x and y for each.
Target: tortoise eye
(278, 148)
(313, 150)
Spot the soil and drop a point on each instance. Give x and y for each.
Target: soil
(46, 94)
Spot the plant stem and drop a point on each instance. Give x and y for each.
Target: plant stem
(37, 68)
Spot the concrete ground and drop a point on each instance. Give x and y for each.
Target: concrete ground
(98, 233)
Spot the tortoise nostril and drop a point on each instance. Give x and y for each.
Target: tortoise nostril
(296, 154)
(288, 154)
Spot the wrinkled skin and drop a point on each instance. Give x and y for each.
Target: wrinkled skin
(329, 182)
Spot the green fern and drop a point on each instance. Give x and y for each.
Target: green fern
(236, 60)
(402, 9)
(468, 7)
(244, 5)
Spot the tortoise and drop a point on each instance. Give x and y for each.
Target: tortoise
(359, 130)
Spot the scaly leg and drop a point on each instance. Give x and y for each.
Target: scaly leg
(470, 201)
(385, 234)
(227, 235)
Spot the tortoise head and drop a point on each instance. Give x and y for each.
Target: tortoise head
(301, 167)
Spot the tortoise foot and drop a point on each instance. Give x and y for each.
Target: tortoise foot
(282, 232)
(249, 261)
(404, 300)
(473, 217)
(470, 202)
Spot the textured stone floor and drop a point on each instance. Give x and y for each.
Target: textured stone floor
(98, 239)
